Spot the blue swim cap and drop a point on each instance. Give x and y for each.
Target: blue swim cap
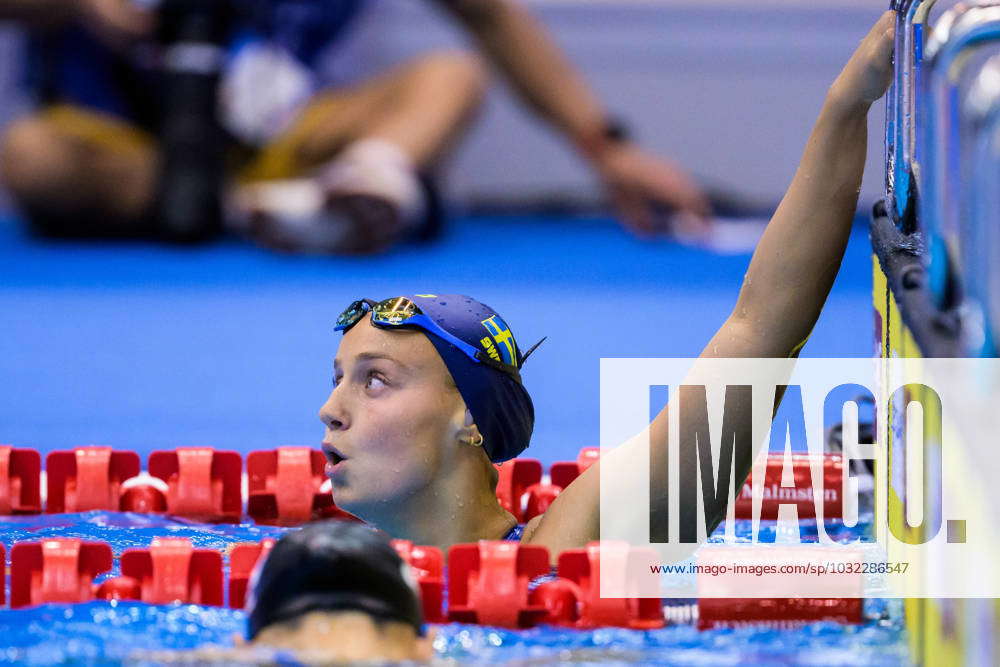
(499, 403)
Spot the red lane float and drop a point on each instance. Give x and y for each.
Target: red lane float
(87, 478)
(427, 565)
(539, 498)
(20, 485)
(202, 483)
(561, 599)
(803, 493)
(119, 588)
(144, 498)
(56, 570)
(285, 487)
(243, 559)
(172, 570)
(488, 583)
(562, 473)
(785, 611)
(582, 567)
(515, 477)
(777, 613)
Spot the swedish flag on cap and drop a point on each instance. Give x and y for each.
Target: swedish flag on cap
(499, 403)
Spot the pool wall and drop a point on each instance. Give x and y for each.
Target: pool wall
(943, 631)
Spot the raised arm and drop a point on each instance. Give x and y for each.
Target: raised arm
(542, 76)
(790, 274)
(800, 252)
(546, 81)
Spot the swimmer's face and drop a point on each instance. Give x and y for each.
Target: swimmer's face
(327, 637)
(394, 415)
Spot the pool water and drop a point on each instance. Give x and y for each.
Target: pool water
(113, 632)
(99, 632)
(127, 530)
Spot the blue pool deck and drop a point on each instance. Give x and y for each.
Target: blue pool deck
(145, 347)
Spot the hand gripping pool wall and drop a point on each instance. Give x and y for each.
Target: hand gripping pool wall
(934, 290)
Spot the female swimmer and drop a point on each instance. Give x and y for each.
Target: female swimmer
(428, 393)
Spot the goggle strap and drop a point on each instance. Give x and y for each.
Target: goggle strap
(479, 354)
(486, 360)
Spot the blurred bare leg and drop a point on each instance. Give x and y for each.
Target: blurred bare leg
(76, 173)
(424, 109)
(366, 146)
(421, 107)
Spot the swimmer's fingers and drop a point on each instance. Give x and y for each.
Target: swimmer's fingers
(634, 214)
(867, 75)
(641, 183)
(877, 48)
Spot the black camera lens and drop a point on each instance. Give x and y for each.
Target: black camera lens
(191, 34)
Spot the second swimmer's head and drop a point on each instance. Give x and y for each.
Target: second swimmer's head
(337, 592)
(416, 371)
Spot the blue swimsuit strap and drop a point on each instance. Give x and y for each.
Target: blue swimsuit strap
(515, 533)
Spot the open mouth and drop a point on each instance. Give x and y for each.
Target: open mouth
(333, 456)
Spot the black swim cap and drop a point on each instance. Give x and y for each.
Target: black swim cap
(332, 566)
(499, 403)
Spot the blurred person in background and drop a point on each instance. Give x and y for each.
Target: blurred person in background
(167, 117)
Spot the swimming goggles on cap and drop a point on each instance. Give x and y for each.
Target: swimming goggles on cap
(400, 311)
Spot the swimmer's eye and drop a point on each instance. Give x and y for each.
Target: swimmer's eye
(375, 380)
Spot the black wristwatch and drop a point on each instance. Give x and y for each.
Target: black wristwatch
(616, 130)
(612, 133)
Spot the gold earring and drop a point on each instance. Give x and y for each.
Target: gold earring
(477, 443)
